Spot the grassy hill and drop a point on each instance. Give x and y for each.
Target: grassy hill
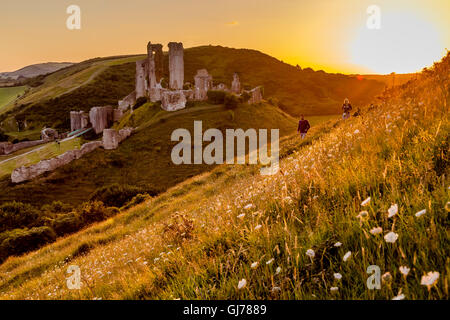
(336, 194)
(143, 159)
(9, 94)
(36, 70)
(106, 80)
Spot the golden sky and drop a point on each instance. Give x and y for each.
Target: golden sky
(331, 35)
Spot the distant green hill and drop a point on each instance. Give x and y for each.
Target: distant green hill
(106, 80)
(35, 70)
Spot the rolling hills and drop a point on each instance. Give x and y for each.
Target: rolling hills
(35, 70)
(372, 190)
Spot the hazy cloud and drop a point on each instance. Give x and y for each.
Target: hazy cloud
(232, 23)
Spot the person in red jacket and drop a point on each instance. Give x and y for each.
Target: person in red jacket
(303, 127)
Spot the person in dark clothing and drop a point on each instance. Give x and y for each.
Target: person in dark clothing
(346, 108)
(303, 127)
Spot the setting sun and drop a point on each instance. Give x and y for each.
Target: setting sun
(405, 43)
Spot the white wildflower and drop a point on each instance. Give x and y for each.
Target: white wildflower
(254, 265)
(278, 270)
(258, 227)
(338, 276)
(333, 289)
(377, 230)
(276, 289)
(249, 206)
(242, 284)
(393, 210)
(391, 237)
(241, 216)
(347, 256)
(366, 202)
(421, 213)
(310, 253)
(430, 278)
(338, 244)
(399, 297)
(270, 261)
(404, 270)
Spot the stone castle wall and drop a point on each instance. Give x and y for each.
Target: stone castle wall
(28, 173)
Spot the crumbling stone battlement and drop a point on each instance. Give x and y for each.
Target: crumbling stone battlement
(127, 102)
(256, 95)
(112, 138)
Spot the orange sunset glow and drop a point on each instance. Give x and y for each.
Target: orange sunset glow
(329, 35)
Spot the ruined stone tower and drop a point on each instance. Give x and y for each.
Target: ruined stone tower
(176, 65)
(141, 81)
(203, 83)
(236, 84)
(155, 70)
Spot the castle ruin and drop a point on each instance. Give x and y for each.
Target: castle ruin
(203, 83)
(149, 75)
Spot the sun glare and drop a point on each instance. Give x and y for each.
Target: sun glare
(405, 43)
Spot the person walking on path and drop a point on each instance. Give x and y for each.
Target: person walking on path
(303, 127)
(346, 108)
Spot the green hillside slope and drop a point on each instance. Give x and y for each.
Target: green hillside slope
(9, 94)
(143, 159)
(372, 190)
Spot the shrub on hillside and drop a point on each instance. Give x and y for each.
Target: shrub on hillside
(3, 136)
(140, 198)
(216, 97)
(231, 101)
(14, 215)
(64, 224)
(20, 241)
(56, 207)
(93, 211)
(116, 195)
